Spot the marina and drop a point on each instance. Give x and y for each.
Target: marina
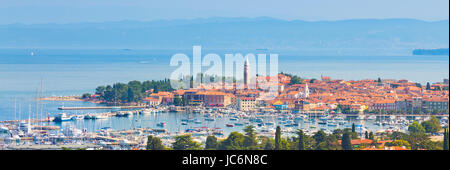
(127, 129)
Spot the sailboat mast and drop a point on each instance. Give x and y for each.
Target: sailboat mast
(37, 105)
(20, 112)
(15, 109)
(42, 95)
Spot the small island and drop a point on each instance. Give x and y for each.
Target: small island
(440, 51)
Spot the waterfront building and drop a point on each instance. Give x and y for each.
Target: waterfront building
(279, 105)
(403, 105)
(387, 105)
(298, 106)
(435, 104)
(151, 101)
(215, 98)
(246, 103)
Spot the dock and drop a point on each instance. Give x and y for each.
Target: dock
(101, 107)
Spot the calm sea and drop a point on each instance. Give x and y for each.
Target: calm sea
(73, 72)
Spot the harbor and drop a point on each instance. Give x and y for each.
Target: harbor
(129, 128)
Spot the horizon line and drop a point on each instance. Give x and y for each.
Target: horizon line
(219, 17)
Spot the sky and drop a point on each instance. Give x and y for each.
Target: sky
(72, 11)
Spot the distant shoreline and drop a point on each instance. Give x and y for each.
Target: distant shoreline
(439, 51)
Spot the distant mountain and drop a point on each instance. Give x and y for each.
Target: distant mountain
(233, 33)
(441, 51)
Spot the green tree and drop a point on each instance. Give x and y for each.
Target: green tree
(353, 127)
(154, 143)
(432, 126)
(86, 96)
(428, 87)
(250, 137)
(301, 140)
(319, 136)
(371, 136)
(278, 138)
(398, 136)
(398, 143)
(211, 142)
(100, 89)
(346, 142)
(416, 135)
(185, 142)
(234, 141)
(269, 145)
(445, 143)
(366, 135)
(415, 127)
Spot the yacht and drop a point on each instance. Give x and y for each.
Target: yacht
(60, 117)
(4, 128)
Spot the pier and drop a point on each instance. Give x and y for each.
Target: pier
(100, 107)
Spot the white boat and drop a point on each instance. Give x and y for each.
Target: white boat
(60, 117)
(100, 116)
(372, 117)
(360, 117)
(339, 118)
(333, 124)
(78, 117)
(4, 129)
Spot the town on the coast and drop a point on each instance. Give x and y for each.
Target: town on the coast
(306, 114)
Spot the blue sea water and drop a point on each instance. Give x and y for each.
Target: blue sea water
(73, 72)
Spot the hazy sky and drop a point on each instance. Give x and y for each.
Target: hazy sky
(67, 11)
